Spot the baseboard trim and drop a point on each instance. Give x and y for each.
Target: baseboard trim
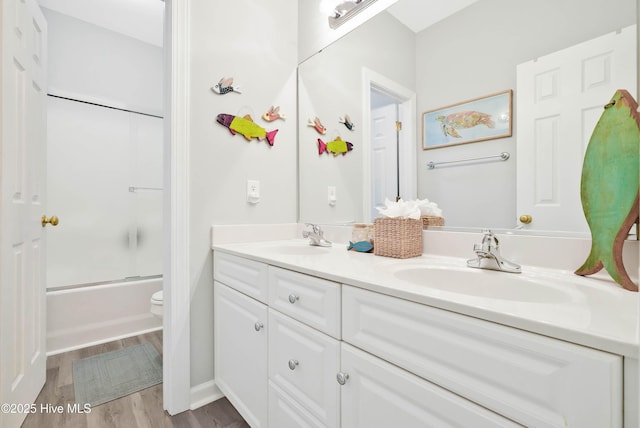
(60, 350)
(204, 393)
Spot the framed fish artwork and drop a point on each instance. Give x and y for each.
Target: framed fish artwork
(479, 119)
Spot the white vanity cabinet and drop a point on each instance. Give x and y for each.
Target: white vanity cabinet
(296, 351)
(240, 336)
(303, 364)
(531, 379)
(377, 394)
(240, 341)
(304, 348)
(277, 364)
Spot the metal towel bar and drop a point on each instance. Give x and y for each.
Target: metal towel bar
(502, 156)
(134, 189)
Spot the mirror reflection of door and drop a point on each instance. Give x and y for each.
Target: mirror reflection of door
(384, 150)
(560, 99)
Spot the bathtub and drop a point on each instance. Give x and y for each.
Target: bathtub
(89, 315)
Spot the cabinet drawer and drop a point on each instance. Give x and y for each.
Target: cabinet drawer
(247, 276)
(285, 412)
(311, 300)
(534, 380)
(380, 395)
(304, 362)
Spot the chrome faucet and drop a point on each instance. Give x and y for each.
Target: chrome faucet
(489, 257)
(315, 236)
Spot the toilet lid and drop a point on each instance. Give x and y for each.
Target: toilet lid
(157, 297)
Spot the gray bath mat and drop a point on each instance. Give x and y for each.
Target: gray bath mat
(115, 374)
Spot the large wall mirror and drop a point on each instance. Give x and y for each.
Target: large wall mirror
(391, 70)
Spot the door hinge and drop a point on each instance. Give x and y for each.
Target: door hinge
(398, 126)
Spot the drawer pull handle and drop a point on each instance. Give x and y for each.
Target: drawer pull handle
(293, 364)
(293, 298)
(342, 378)
(258, 326)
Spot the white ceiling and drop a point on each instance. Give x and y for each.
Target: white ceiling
(420, 14)
(140, 19)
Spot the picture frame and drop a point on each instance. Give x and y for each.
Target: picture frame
(479, 119)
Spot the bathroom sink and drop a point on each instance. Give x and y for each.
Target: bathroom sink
(297, 248)
(300, 251)
(486, 283)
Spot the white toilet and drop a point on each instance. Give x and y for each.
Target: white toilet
(157, 304)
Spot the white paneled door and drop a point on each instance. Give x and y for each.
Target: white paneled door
(384, 156)
(22, 174)
(560, 98)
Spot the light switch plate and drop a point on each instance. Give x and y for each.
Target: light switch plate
(331, 195)
(253, 191)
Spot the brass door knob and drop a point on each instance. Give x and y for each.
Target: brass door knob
(53, 220)
(526, 218)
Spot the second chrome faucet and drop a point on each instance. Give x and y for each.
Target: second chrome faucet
(488, 255)
(316, 236)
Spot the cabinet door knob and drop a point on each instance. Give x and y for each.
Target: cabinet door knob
(342, 378)
(293, 364)
(293, 298)
(258, 326)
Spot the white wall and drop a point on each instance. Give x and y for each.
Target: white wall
(255, 43)
(96, 64)
(475, 53)
(330, 85)
(259, 49)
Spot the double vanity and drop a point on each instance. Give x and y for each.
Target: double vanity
(323, 337)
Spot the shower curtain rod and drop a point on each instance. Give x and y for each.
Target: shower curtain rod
(103, 105)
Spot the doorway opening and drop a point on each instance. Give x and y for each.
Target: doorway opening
(390, 142)
(104, 172)
(109, 162)
(385, 144)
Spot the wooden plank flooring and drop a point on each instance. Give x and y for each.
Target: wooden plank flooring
(141, 409)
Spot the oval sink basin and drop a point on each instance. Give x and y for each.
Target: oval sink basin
(486, 284)
(298, 249)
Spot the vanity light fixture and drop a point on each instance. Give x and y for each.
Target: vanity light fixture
(347, 10)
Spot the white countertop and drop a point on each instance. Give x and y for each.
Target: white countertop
(588, 311)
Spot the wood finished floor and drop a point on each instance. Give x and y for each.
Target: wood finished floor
(142, 409)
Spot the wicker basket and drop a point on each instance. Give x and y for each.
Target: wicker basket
(429, 220)
(397, 237)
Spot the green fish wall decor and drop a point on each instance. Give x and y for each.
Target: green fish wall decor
(609, 186)
(246, 127)
(337, 146)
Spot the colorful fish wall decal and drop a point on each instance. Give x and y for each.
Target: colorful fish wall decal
(245, 127)
(272, 114)
(463, 120)
(317, 125)
(337, 146)
(225, 85)
(347, 122)
(609, 186)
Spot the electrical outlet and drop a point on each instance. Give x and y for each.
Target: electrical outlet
(253, 191)
(331, 194)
